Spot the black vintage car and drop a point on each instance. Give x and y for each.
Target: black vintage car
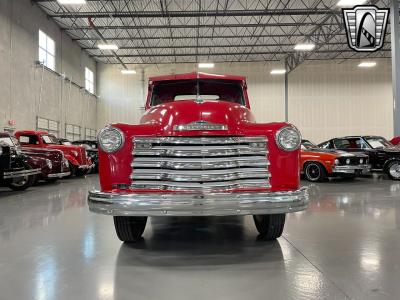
(383, 156)
(92, 151)
(15, 171)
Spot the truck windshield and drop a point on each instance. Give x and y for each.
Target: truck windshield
(197, 89)
(50, 139)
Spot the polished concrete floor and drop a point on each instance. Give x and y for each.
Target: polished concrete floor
(345, 246)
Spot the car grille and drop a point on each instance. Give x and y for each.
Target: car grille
(200, 163)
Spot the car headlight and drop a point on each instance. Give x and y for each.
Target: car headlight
(348, 161)
(288, 138)
(49, 163)
(1, 150)
(336, 161)
(111, 139)
(361, 161)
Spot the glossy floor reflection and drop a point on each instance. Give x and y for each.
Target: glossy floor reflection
(345, 246)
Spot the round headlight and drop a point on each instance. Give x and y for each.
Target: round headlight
(348, 161)
(336, 161)
(1, 150)
(49, 163)
(111, 139)
(361, 161)
(288, 138)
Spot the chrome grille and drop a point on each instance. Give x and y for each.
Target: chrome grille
(199, 163)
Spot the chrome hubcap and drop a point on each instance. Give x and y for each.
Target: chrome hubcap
(395, 170)
(313, 171)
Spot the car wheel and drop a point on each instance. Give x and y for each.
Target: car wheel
(270, 227)
(129, 229)
(393, 170)
(72, 170)
(314, 172)
(80, 172)
(22, 183)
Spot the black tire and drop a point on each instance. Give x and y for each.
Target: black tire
(314, 172)
(130, 229)
(72, 170)
(51, 180)
(80, 172)
(270, 227)
(393, 170)
(24, 182)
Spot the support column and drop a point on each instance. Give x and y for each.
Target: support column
(395, 44)
(286, 97)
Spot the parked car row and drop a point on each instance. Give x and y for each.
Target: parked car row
(349, 157)
(30, 156)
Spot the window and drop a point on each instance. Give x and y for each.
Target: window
(72, 132)
(90, 134)
(50, 126)
(47, 51)
(89, 81)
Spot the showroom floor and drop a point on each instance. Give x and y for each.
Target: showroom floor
(346, 246)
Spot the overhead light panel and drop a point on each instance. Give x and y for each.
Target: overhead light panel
(278, 71)
(71, 2)
(128, 72)
(304, 47)
(350, 3)
(367, 64)
(107, 47)
(206, 65)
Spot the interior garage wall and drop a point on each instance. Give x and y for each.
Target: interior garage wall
(329, 99)
(326, 99)
(28, 91)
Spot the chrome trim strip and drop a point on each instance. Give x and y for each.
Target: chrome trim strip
(201, 140)
(197, 204)
(58, 175)
(200, 175)
(22, 173)
(350, 168)
(204, 163)
(213, 186)
(200, 151)
(200, 125)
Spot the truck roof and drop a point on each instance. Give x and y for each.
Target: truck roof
(195, 75)
(31, 132)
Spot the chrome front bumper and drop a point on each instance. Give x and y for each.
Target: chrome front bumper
(22, 173)
(197, 204)
(351, 169)
(58, 175)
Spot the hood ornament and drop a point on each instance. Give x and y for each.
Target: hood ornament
(200, 125)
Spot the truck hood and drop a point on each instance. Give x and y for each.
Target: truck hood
(166, 116)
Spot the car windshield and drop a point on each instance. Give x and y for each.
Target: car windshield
(378, 142)
(308, 145)
(197, 89)
(6, 141)
(50, 139)
(351, 143)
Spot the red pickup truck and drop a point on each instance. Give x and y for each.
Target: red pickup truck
(198, 151)
(79, 163)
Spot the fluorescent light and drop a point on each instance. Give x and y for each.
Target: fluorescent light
(367, 64)
(304, 47)
(206, 65)
(278, 71)
(350, 3)
(107, 47)
(67, 2)
(128, 72)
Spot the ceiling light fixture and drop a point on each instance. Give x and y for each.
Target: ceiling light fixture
(304, 47)
(71, 2)
(107, 47)
(206, 65)
(278, 71)
(350, 3)
(128, 72)
(367, 64)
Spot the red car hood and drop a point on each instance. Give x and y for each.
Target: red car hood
(166, 116)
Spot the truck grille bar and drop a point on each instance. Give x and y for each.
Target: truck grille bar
(200, 163)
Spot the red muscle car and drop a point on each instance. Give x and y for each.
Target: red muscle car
(79, 164)
(198, 151)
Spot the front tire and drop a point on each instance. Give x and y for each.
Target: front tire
(21, 184)
(129, 229)
(270, 227)
(314, 172)
(393, 170)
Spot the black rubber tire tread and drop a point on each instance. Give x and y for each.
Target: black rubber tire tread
(129, 229)
(322, 168)
(31, 180)
(270, 227)
(388, 168)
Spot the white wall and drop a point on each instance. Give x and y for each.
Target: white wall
(326, 99)
(28, 91)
